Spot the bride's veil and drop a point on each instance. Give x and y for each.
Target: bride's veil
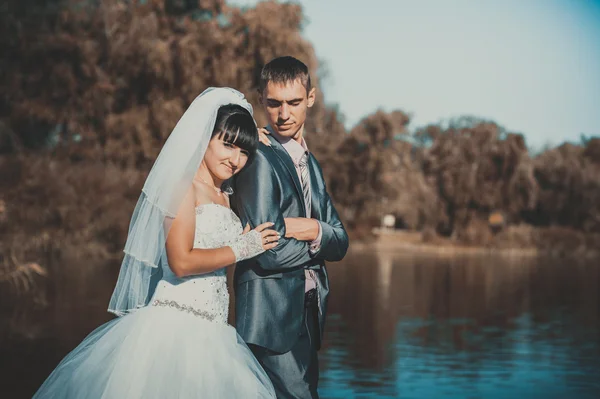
(163, 192)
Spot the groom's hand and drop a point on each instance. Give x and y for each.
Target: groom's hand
(262, 136)
(302, 229)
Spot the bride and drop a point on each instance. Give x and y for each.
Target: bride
(173, 340)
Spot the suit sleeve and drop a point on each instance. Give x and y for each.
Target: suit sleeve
(334, 239)
(257, 197)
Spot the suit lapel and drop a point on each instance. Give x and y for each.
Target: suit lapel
(285, 158)
(314, 188)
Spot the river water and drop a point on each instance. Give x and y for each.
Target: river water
(399, 326)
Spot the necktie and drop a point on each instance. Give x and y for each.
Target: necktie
(305, 181)
(311, 278)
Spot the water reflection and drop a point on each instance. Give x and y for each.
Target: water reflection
(400, 327)
(422, 327)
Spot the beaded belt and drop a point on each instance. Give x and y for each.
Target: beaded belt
(185, 308)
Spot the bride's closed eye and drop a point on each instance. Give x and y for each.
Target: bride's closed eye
(233, 146)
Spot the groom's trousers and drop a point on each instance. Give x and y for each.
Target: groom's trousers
(295, 374)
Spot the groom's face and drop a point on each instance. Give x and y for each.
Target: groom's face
(286, 105)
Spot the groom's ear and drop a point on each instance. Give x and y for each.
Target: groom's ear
(311, 97)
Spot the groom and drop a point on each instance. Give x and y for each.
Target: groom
(281, 296)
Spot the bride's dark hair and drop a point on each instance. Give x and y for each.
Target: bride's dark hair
(235, 125)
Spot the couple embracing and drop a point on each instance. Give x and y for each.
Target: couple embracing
(220, 194)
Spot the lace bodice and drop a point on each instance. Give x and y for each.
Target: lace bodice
(202, 295)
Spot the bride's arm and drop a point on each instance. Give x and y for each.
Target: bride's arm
(184, 259)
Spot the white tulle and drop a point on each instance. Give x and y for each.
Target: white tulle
(159, 353)
(179, 346)
(162, 194)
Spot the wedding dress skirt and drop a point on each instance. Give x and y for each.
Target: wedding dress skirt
(179, 346)
(159, 352)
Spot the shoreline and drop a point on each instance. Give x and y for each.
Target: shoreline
(444, 249)
(398, 240)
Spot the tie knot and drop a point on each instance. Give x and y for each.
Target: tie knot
(303, 160)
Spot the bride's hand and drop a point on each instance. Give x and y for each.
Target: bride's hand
(254, 242)
(262, 136)
(269, 238)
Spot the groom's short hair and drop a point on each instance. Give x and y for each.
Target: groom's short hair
(284, 70)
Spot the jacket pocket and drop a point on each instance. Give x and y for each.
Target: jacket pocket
(252, 276)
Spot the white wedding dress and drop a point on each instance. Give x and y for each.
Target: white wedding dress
(179, 346)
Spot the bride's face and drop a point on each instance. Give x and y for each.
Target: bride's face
(224, 159)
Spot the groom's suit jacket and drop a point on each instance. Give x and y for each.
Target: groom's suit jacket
(270, 288)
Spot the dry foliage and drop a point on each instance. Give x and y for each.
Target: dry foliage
(91, 89)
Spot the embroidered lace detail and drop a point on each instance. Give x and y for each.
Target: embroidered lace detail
(185, 308)
(247, 246)
(216, 226)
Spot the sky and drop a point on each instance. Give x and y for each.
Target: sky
(533, 66)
